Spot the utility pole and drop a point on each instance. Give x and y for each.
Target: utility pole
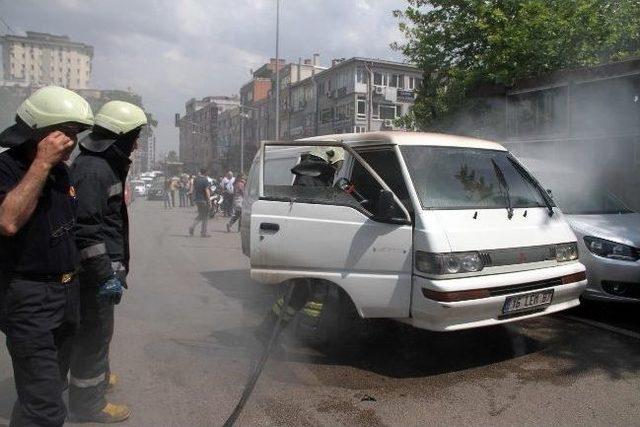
(241, 140)
(277, 70)
(369, 94)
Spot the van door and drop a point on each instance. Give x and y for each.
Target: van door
(325, 233)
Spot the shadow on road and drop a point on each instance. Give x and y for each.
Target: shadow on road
(237, 284)
(399, 351)
(621, 315)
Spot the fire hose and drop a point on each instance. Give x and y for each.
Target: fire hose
(259, 365)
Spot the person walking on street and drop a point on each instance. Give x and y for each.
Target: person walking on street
(102, 236)
(191, 181)
(39, 292)
(174, 185)
(238, 199)
(227, 191)
(202, 198)
(183, 189)
(167, 193)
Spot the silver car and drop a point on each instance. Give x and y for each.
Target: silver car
(608, 232)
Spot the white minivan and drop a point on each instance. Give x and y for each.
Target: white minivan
(437, 231)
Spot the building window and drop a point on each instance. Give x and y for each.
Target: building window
(415, 83)
(361, 106)
(388, 112)
(397, 80)
(361, 76)
(326, 115)
(542, 112)
(380, 79)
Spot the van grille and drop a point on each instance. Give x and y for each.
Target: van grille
(524, 255)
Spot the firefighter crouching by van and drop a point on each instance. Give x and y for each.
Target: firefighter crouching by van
(307, 296)
(38, 256)
(102, 236)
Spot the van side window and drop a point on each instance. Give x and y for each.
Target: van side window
(282, 183)
(254, 185)
(385, 162)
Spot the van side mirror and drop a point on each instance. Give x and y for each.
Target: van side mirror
(385, 208)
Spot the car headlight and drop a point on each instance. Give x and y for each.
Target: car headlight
(612, 250)
(567, 252)
(451, 263)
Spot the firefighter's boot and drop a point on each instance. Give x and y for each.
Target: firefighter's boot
(108, 415)
(113, 382)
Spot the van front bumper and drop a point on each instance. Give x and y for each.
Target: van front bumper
(436, 315)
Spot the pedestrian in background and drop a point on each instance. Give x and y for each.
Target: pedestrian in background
(202, 197)
(174, 185)
(167, 193)
(184, 190)
(238, 199)
(227, 191)
(102, 236)
(190, 180)
(39, 292)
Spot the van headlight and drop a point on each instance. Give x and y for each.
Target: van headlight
(612, 250)
(567, 252)
(451, 263)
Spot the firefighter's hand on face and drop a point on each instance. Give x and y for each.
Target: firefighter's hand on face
(54, 148)
(112, 290)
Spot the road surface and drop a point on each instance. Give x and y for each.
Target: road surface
(184, 346)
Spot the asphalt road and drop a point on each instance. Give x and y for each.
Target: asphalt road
(184, 346)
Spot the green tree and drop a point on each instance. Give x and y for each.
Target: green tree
(462, 44)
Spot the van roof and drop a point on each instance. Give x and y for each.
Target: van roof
(409, 138)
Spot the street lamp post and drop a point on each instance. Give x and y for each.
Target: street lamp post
(277, 70)
(243, 116)
(241, 141)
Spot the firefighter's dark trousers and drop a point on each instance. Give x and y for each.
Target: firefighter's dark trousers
(39, 319)
(90, 358)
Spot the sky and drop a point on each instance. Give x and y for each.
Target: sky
(169, 51)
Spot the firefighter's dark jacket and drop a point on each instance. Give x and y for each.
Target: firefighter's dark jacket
(102, 225)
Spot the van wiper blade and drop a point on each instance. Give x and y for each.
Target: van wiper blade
(504, 186)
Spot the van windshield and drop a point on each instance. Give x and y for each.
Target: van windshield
(464, 178)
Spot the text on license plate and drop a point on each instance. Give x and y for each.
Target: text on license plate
(527, 301)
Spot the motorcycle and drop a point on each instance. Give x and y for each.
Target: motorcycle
(216, 201)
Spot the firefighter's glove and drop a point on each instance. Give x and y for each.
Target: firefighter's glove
(111, 290)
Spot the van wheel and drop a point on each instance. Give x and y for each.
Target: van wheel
(335, 325)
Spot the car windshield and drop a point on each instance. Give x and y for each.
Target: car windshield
(466, 178)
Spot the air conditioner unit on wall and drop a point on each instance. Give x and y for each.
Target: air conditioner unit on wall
(379, 90)
(388, 123)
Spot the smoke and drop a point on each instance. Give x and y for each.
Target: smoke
(588, 132)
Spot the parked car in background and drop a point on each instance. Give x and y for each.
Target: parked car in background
(139, 187)
(156, 190)
(608, 231)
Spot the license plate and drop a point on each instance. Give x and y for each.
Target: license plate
(527, 302)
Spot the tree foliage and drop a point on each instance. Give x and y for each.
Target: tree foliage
(461, 44)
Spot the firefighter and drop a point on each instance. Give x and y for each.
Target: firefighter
(38, 256)
(307, 295)
(102, 236)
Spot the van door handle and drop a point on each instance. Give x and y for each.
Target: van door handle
(269, 228)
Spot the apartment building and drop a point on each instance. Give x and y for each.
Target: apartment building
(198, 130)
(43, 59)
(354, 95)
